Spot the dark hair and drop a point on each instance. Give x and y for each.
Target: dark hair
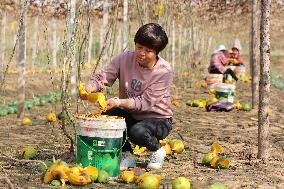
(153, 36)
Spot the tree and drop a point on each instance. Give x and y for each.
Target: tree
(22, 61)
(3, 44)
(264, 83)
(253, 50)
(125, 24)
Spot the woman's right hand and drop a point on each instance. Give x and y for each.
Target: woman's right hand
(90, 87)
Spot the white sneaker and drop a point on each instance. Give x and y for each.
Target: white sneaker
(157, 159)
(127, 160)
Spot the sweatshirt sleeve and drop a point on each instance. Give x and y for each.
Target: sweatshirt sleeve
(240, 59)
(154, 93)
(108, 75)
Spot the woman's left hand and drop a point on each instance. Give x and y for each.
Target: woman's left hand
(113, 103)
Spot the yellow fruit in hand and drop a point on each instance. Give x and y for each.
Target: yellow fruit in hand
(82, 92)
(26, 121)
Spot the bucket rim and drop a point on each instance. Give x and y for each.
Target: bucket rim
(101, 118)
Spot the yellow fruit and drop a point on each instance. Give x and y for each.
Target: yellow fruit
(82, 92)
(202, 104)
(92, 172)
(100, 98)
(76, 176)
(238, 105)
(213, 162)
(222, 163)
(217, 148)
(51, 117)
(28, 152)
(167, 149)
(211, 100)
(177, 146)
(127, 176)
(181, 183)
(212, 91)
(196, 103)
(139, 150)
(208, 157)
(26, 121)
(204, 85)
(175, 103)
(148, 181)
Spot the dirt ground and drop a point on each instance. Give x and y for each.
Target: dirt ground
(236, 131)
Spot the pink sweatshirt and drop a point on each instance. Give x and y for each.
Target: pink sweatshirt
(149, 88)
(218, 61)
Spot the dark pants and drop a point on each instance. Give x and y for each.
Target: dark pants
(229, 71)
(146, 133)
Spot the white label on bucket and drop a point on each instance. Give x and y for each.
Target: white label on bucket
(90, 153)
(101, 143)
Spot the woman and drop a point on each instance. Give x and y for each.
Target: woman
(144, 94)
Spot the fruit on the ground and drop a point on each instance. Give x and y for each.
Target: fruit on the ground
(28, 152)
(62, 116)
(167, 149)
(223, 163)
(213, 162)
(212, 91)
(246, 107)
(26, 121)
(196, 103)
(76, 176)
(102, 176)
(139, 150)
(211, 100)
(177, 146)
(127, 176)
(181, 183)
(208, 157)
(92, 172)
(238, 105)
(51, 117)
(55, 183)
(217, 185)
(58, 170)
(148, 181)
(217, 148)
(189, 103)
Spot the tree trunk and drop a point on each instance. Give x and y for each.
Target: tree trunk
(54, 42)
(3, 44)
(22, 61)
(253, 53)
(72, 29)
(125, 24)
(264, 87)
(104, 31)
(35, 42)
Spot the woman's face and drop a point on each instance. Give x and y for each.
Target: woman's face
(145, 56)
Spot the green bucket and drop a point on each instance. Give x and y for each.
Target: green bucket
(99, 143)
(225, 91)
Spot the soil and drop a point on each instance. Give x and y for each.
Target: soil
(236, 131)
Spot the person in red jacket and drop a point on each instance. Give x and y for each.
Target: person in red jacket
(235, 57)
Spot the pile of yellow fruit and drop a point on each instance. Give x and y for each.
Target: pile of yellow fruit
(60, 172)
(213, 159)
(146, 180)
(174, 145)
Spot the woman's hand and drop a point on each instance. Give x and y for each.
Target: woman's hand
(113, 103)
(90, 87)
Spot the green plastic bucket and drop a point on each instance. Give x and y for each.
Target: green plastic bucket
(225, 91)
(99, 142)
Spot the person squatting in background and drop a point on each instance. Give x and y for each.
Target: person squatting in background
(219, 61)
